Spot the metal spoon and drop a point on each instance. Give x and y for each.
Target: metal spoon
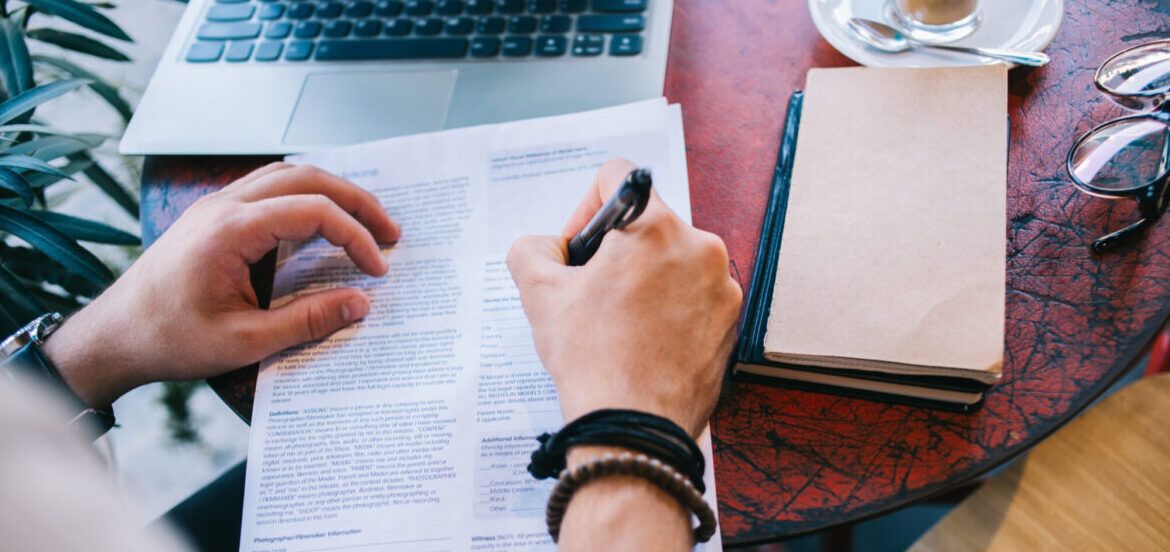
(888, 39)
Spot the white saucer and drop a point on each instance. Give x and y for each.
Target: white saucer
(1028, 25)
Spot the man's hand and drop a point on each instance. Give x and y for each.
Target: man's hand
(647, 324)
(187, 309)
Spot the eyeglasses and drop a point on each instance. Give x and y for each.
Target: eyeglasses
(1129, 157)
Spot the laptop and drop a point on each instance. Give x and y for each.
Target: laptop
(286, 76)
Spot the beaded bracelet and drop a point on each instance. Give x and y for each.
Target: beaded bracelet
(661, 475)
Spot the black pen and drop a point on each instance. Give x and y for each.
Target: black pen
(624, 207)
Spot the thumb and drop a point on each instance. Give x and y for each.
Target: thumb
(538, 260)
(308, 318)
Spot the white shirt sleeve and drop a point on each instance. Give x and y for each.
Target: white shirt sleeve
(54, 492)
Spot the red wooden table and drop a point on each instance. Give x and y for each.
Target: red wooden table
(790, 462)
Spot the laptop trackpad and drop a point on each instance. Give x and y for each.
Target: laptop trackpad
(345, 108)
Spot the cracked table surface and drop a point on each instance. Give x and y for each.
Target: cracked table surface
(789, 462)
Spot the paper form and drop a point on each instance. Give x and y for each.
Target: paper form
(411, 430)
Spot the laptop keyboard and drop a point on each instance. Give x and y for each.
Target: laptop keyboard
(267, 31)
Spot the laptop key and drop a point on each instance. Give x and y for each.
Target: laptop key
(574, 6)
(588, 45)
(269, 51)
(480, 7)
(298, 50)
(238, 51)
(429, 26)
(521, 24)
(625, 45)
(367, 28)
(490, 25)
(510, 6)
(358, 10)
(619, 5)
(460, 26)
(300, 10)
(278, 30)
(390, 48)
(271, 11)
(307, 29)
(610, 23)
(398, 27)
(485, 46)
(449, 7)
(419, 7)
(203, 52)
(388, 8)
(551, 46)
(542, 6)
(228, 31)
(338, 29)
(517, 46)
(555, 24)
(328, 10)
(230, 12)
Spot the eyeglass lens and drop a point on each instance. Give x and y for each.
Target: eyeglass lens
(1124, 155)
(1138, 78)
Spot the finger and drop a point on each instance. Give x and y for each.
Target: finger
(258, 173)
(307, 318)
(307, 179)
(605, 183)
(607, 179)
(300, 217)
(537, 260)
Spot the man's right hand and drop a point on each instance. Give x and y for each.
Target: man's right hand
(647, 324)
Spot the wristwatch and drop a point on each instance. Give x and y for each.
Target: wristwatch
(21, 358)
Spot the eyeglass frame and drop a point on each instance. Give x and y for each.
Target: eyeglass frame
(1153, 197)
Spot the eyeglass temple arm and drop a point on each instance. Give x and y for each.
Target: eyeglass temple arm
(1112, 239)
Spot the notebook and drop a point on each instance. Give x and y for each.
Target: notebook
(884, 252)
(411, 430)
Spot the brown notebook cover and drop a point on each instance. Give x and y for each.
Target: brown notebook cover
(892, 259)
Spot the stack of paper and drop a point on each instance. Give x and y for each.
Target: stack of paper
(412, 429)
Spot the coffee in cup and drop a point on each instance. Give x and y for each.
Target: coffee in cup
(936, 20)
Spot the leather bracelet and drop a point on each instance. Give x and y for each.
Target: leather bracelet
(660, 474)
(652, 435)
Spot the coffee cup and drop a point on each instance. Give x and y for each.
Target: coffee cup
(936, 20)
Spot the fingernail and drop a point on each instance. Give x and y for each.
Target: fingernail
(355, 309)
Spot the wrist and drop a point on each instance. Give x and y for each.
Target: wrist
(622, 511)
(89, 365)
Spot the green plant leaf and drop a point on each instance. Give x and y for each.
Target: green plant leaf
(31, 265)
(28, 100)
(42, 180)
(81, 14)
(20, 299)
(108, 184)
(77, 43)
(30, 163)
(15, 310)
(86, 230)
(8, 321)
(53, 302)
(34, 129)
(104, 89)
(55, 244)
(13, 182)
(15, 63)
(50, 147)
